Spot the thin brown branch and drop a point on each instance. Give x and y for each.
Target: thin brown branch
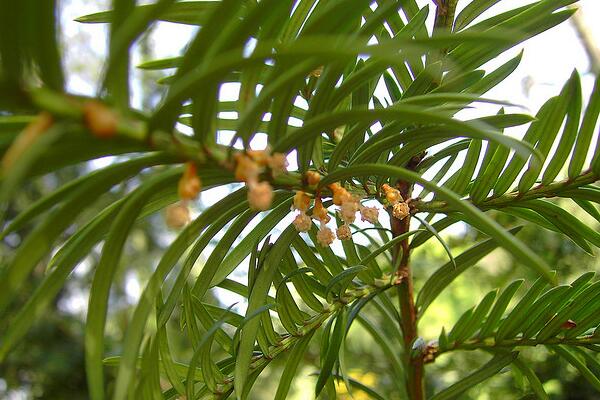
(408, 312)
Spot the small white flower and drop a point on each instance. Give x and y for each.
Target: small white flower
(302, 222)
(325, 236)
(348, 210)
(343, 232)
(370, 214)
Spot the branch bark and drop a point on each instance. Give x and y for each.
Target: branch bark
(408, 312)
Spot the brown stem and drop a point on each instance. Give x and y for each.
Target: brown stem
(408, 312)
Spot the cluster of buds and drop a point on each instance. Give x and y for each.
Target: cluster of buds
(248, 168)
(348, 207)
(393, 198)
(303, 221)
(325, 235)
(301, 202)
(189, 187)
(348, 204)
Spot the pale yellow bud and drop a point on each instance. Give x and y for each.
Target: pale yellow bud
(261, 157)
(341, 195)
(246, 169)
(177, 215)
(392, 195)
(260, 196)
(338, 133)
(334, 186)
(301, 201)
(319, 212)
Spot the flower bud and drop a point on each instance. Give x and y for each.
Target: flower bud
(100, 119)
(338, 133)
(261, 157)
(392, 195)
(341, 195)
(319, 212)
(189, 185)
(260, 196)
(325, 236)
(317, 72)
(400, 210)
(343, 232)
(301, 201)
(334, 186)
(370, 214)
(177, 215)
(313, 178)
(246, 169)
(278, 163)
(302, 222)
